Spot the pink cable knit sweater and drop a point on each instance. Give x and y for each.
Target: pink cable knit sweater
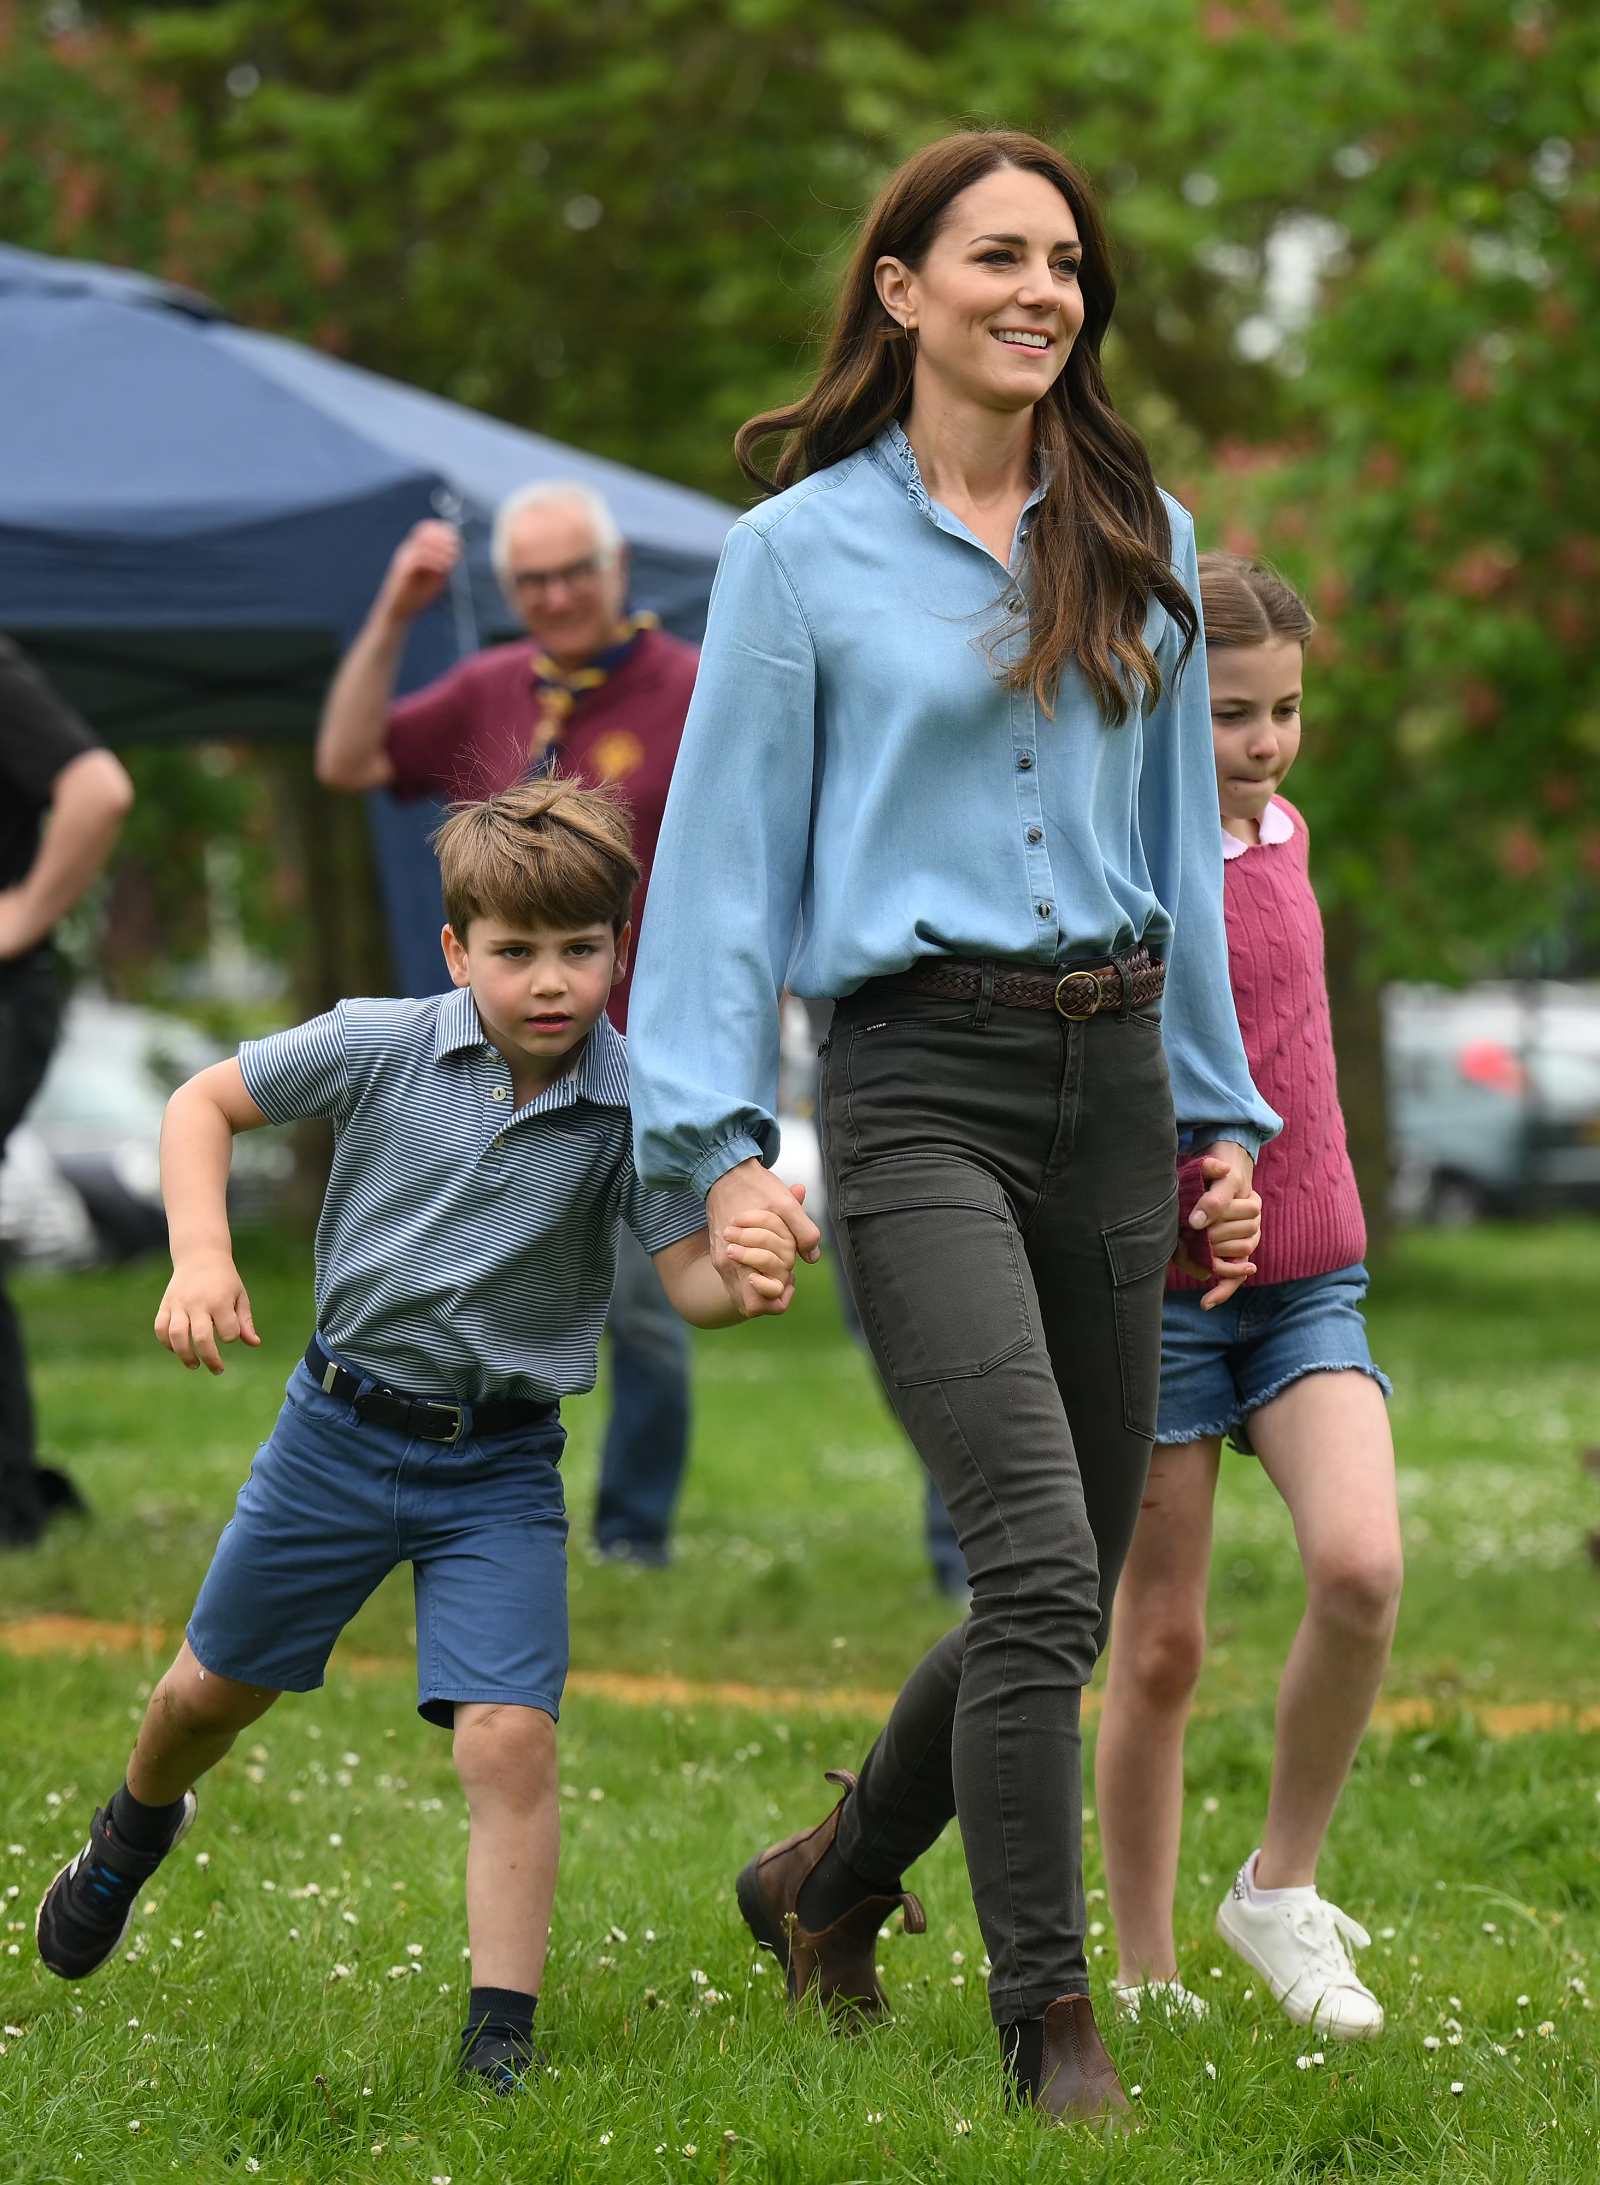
(1310, 1211)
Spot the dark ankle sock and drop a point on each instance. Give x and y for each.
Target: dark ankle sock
(831, 1889)
(141, 1827)
(1022, 2050)
(499, 2014)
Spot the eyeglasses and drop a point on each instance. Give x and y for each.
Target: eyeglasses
(572, 574)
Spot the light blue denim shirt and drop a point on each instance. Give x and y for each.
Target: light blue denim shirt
(857, 788)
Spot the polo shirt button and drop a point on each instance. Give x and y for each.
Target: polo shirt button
(1044, 909)
(499, 1093)
(1035, 834)
(1024, 761)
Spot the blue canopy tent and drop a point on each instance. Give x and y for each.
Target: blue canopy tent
(194, 518)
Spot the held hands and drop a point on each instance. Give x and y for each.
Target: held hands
(420, 569)
(758, 1228)
(205, 1304)
(1229, 1212)
(760, 1255)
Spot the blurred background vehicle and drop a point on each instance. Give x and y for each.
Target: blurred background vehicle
(800, 1151)
(82, 1180)
(1494, 1099)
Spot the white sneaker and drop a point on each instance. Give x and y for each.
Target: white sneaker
(1298, 1943)
(1165, 1998)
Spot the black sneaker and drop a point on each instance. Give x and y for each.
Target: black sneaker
(500, 2063)
(85, 1914)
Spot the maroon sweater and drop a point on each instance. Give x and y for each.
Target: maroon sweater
(469, 735)
(1310, 1210)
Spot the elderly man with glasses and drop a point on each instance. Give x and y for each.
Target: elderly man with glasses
(599, 694)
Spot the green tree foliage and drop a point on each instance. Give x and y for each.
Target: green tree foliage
(1442, 490)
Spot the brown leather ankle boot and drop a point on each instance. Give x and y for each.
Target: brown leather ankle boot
(836, 1968)
(1078, 2082)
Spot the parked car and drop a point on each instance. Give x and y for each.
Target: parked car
(42, 1219)
(96, 1122)
(1494, 1099)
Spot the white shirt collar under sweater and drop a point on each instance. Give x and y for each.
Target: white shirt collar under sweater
(1275, 826)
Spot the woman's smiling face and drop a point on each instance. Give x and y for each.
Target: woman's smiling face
(996, 304)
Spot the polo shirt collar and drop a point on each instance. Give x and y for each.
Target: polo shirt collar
(1275, 826)
(600, 1073)
(456, 1025)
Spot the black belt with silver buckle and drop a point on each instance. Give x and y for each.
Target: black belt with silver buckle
(424, 1418)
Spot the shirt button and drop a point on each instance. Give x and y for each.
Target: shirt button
(1035, 834)
(1044, 909)
(499, 1093)
(1014, 604)
(1024, 761)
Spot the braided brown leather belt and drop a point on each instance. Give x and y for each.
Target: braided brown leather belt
(1075, 995)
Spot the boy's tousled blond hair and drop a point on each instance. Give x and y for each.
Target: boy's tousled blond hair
(545, 853)
(1246, 603)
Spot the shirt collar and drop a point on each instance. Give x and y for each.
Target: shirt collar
(600, 1073)
(1276, 826)
(893, 452)
(456, 1025)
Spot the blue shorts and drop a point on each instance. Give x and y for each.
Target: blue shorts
(1218, 1367)
(334, 1502)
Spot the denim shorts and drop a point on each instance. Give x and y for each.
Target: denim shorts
(1217, 1367)
(334, 1502)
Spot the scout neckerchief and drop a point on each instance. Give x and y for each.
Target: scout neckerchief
(556, 691)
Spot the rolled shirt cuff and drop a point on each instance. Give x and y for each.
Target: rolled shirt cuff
(726, 1154)
(1238, 1134)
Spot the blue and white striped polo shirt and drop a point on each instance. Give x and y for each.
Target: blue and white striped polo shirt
(465, 1249)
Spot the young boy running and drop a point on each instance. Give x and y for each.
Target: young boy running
(463, 1265)
(1283, 1368)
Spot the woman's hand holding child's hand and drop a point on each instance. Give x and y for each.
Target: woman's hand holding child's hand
(751, 1197)
(1229, 1211)
(763, 1247)
(205, 1304)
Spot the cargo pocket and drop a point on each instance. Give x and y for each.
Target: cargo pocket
(938, 1268)
(1138, 1251)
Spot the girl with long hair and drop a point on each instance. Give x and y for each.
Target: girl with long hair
(948, 763)
(1282, 1372)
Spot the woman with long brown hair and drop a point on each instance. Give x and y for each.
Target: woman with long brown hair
(949, 762)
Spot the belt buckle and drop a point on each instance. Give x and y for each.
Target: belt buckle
(453, 1411)
(1079, 1016)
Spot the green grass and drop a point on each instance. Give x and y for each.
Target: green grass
(801, 1530)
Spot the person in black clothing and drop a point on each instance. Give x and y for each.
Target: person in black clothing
(52, 768)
